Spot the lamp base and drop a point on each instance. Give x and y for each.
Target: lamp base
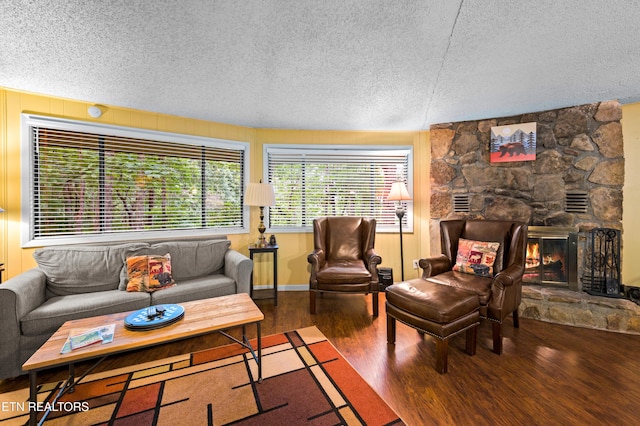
(262, 241)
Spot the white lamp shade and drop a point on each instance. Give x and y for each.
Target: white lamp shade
(398, 192)
(260, 194)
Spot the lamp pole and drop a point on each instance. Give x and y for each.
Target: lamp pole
(399, 194)
(400, 214)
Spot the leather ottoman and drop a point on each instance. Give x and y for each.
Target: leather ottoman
(439, 310)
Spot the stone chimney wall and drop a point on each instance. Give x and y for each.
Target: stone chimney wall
(578, 149)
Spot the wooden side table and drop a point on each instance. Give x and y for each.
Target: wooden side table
(1, 271)
(268, 249)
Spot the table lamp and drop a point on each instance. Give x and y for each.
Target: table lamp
(261, 195)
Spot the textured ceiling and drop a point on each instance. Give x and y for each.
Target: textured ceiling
(331, 64)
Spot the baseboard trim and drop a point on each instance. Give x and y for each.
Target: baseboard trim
(288, 287)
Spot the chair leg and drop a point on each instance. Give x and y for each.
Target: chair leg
(442, 349)
(375, 303)
(312, 302)
(516, 319)
(391, 330)
(472, 335)
(497, 337)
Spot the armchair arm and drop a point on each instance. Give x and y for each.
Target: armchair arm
(509, 276)
(316, 259)
(239, 267)
(506, 292)
(435, 265)
(18, 296)
(372, 260)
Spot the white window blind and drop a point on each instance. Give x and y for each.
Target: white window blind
(315, 181)
(88, 183)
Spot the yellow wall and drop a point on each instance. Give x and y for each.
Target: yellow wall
(631, 194)
(293, 247)
(13, 103)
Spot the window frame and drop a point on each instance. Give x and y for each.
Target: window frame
(28, 121)
(345, 150)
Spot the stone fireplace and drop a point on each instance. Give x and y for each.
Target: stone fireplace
(574, 185)
(575, 182)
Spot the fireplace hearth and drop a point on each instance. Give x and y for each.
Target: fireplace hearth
(552, 257)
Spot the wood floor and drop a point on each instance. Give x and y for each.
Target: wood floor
(547, 375)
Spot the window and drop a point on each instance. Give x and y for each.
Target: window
(94, 182)
(319, 180)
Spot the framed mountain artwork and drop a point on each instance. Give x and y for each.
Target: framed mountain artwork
(514, 142)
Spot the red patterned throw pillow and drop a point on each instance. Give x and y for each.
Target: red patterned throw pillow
(149, 273)
(476, 257)
(160, 272)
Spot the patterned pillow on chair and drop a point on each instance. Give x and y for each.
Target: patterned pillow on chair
(476, 257)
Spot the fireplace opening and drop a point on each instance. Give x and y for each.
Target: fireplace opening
(552, 256)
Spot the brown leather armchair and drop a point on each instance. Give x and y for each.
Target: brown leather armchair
(343, 259)
(499, 294)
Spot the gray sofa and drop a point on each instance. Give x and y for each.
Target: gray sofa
(72, 282)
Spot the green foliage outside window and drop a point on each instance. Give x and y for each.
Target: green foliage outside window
(83, 188)
(316, 181)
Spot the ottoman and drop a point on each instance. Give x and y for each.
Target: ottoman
(439, 310)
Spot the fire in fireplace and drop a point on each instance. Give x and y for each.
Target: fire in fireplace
(552, 256)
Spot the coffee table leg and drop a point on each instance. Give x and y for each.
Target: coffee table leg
(72, 378)
(259, 353)
(33, 397)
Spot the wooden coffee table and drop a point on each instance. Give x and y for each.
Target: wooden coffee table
(200, 317)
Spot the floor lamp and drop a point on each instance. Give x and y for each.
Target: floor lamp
(399, 193)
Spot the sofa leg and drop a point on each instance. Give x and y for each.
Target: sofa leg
(516, 319)
(442, 349)
(374, 299)
(472, 335)
(312, 302)
(497, 337)
(391, 330)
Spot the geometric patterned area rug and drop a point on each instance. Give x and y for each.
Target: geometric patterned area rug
(305, 381)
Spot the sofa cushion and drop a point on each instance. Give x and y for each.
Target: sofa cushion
(83, 269)
(477, 284)
(344, 272)
(195, 289)
(189, 259)
(49, 316)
